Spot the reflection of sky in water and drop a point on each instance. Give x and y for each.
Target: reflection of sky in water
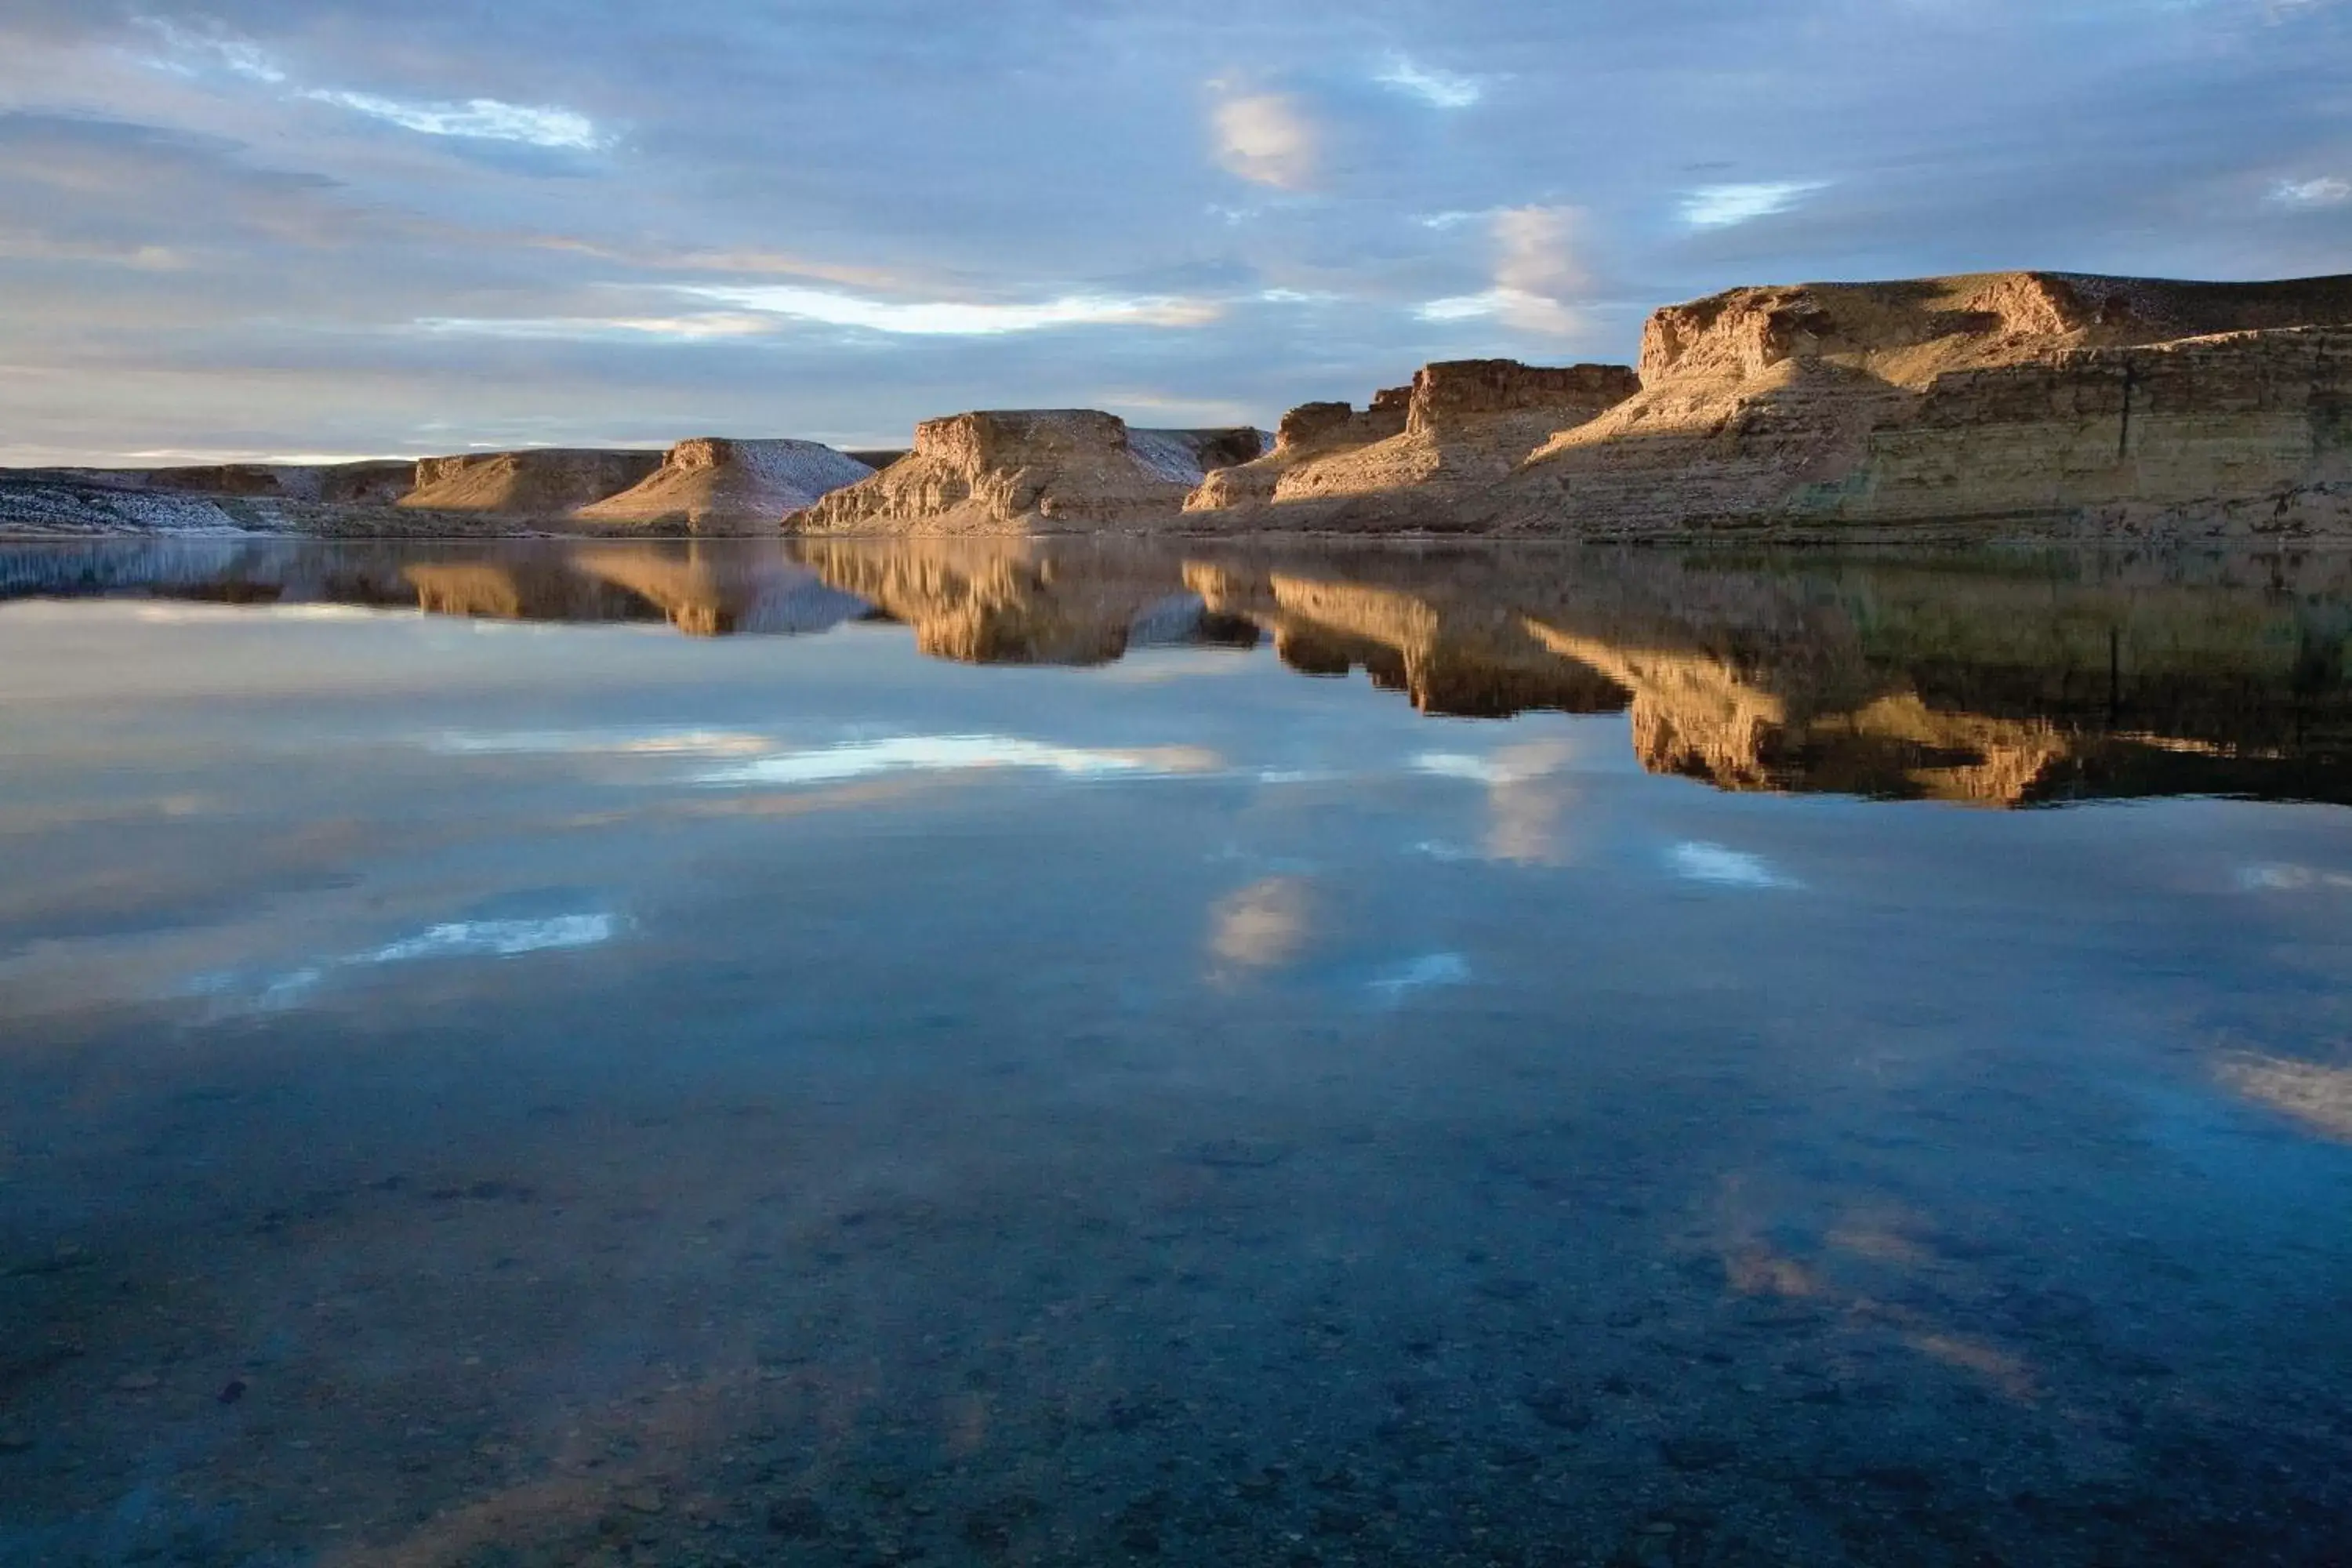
(1476, 1014)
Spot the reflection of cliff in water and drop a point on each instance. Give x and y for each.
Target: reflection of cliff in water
(702, 589)
(1018, 601)
(2002, 680)
(2011, 682)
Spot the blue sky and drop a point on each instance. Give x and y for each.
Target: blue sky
(265, 228)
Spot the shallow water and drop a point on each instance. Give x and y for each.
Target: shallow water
(1694, 1061)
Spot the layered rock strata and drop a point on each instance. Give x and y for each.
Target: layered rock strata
(1466, 425)
(712, 484)
(2045, 402)
(1005, 471)
(550, 481)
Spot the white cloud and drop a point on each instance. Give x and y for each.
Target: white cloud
(2327, 191)
(708, 328)
(1721, 206)
(950, 318)
(1268, 138)
(1438, 88)
(1538, 276)
(484, 119)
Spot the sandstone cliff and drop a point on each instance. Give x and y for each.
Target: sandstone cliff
(711, 485)
(2046, 402)
(1026, 471)
(1465, 424)
(542, 482)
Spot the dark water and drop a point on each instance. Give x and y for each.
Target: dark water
(1693, 1061)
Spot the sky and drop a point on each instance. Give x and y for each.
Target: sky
(312, 228)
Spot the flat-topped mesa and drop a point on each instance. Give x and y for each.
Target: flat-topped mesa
(1021, 470)
(1451, 393)
(715, 485)
(1910, 331)
(545, 482)
(2042, 403)
(1463, 425)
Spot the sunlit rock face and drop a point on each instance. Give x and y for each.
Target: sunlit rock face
(1012, 471)
(549, 482)
(1309, 431)
(1425, 450)
(2039, 402)
(713, 485)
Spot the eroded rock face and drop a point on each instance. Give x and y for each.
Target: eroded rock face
(1004, 471)
(1461, 425)
(547, 482)
(714, 485)
(2051, 403)
(1309, 431)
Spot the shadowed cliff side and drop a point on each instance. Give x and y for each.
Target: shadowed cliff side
(1465, 425)
(1033, 470)
(541, 482)
(712, 484)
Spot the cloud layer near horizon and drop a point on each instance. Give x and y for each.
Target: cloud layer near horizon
(252, 228)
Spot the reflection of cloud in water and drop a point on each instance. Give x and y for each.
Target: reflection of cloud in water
(1262, 925)
(945, 753)
(2320, 1097)
(1695, 861)
(1524, 803)
(496, 939)
(608, 742)
(1524, 806)
(451, 939)
(2288, 878)
(1431, 969)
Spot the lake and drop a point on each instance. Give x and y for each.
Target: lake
(972, 1051)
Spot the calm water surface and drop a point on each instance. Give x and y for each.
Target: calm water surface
(1647, 1061)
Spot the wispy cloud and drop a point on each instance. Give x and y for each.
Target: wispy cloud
(484, 119)
(1438, 88)
(1721, 206)
(714, 327)
(487, 119)
(955, 318)
(1268, 138)
(2327, 191)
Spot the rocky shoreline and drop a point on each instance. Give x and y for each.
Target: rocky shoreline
(2022, 405)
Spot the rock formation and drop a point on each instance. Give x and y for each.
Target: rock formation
(1012, 471)
(541, 482)
(1311, 430)
(1465, 424)
(2040, 401)
(711, 485)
